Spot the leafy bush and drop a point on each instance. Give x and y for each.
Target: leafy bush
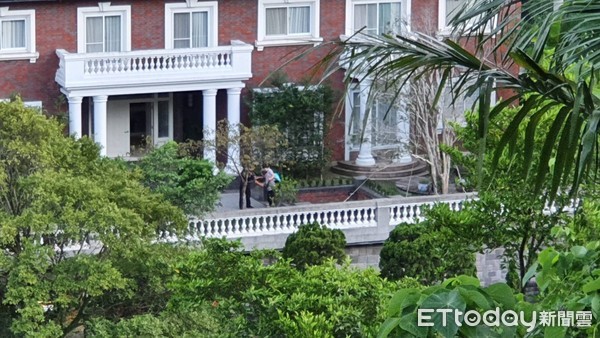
(198, 323)
(185, 181)
(313, 244)
(278, 300)
(427, 250)
(286, 192)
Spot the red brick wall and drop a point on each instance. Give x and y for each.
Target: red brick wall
(56, 29)
(330, 194)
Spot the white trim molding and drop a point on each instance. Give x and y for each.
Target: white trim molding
(192, 6)
(312, 37)
(405, 14)
(104, 9)
(28, 52)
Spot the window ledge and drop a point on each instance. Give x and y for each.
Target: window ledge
(260, 45)
(32, 57)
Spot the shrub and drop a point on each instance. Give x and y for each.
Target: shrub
(312, 244)
(428, 250)
(277, 300)
(286, 192)
(187, 182)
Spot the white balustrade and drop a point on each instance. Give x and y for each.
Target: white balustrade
(285, 220)
(163, 67)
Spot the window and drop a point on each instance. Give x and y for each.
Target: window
(455, 111)
(448, 9)
(384, 123)
(17, 35)
(287, 22)
(191, 24)
(377, 17)
(104, 28)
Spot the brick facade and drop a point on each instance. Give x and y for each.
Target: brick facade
(56, 28)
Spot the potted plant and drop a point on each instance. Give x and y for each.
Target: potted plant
(423, 185)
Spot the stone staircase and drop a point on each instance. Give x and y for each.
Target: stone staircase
(382, 171)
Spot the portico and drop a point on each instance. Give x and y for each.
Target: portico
(133, 95)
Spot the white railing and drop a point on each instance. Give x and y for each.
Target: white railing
(285, 220)
(157, 62)
(159, 66)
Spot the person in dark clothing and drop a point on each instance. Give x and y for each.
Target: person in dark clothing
(250, 182)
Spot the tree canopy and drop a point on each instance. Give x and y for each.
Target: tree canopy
(67, 216)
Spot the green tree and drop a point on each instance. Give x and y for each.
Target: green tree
(431, 250)
(555, 50)
(313, 244)
(185, 181)
(65, 214)
(278, 300)
(248, 148)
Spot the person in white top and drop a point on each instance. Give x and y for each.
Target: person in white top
(267, 181)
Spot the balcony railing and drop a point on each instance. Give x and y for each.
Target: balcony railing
(151, 67)
(348, 215)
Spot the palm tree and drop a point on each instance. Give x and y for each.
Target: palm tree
(543, 55)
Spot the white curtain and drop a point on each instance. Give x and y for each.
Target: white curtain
(181, 38)
(13, 34)
(103, 34)
(112, 34)
(299, 20)
(355, 120)
(385, 124)
(366, 16)
(451, 6)
(200, 29)
(390, 17)
(276, 21)
(93, 35)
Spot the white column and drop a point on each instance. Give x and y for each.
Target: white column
(404, 155)
(100, 132)
(365, 158)
(233, 117)
(209, 125)
(75, 116)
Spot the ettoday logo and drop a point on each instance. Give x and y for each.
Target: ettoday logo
(496, 318)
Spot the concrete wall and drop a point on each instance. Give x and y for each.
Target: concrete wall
(489, 270)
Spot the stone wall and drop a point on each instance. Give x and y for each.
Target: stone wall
(489, 270)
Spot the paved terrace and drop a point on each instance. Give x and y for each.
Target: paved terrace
(363, 222)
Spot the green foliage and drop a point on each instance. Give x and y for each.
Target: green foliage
(185, 181)
(247, 149)
(384, 188)
(65, 214)
(462, 293)
(513, 212)
(429, 250)
(302, 114)
(570, 280)
(198, 323)
(286, 192)
(278, 300)
(313, 244)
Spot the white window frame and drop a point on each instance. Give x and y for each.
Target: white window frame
(405, 17)
(290, 39)
(29, 51)
(350, 105)
(459, 116)
(443, 25)
(191, 6)
(104, 9)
